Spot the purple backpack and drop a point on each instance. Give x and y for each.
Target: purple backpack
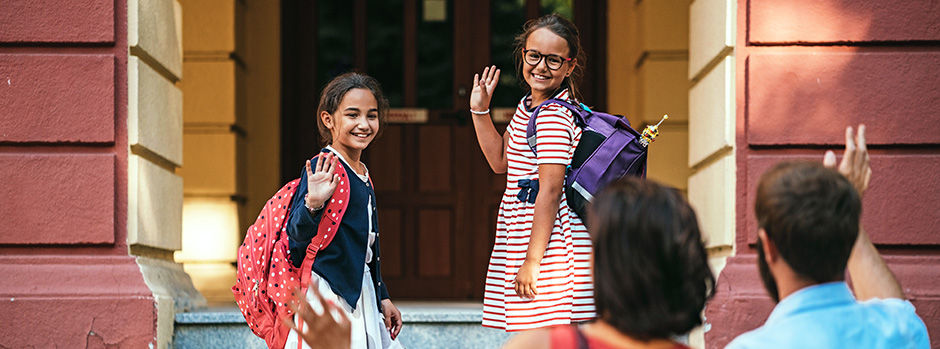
(608, 150)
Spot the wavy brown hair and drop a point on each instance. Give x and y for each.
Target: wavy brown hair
(651, 273)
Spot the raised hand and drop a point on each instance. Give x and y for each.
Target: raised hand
(483, 87)
(855, 162)
(321, 181)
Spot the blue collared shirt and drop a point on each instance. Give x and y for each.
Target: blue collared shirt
(828, 316)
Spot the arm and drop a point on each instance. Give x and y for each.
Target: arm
(491, 142)
(551, 183)
(871, 277)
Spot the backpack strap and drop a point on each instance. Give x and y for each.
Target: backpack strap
(331, 216)
(530, 128)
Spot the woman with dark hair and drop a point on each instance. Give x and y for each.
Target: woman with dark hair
(651, 273)
(539, 271)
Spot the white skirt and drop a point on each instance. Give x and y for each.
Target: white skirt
(368, 326)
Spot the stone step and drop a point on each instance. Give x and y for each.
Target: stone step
(442, 325)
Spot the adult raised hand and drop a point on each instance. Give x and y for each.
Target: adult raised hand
(483, 86)
(855, 163)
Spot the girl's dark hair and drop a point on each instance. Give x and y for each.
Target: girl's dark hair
(566, 30)
(337, 88)
(651, 273)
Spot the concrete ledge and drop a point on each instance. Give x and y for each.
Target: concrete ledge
(427, 325)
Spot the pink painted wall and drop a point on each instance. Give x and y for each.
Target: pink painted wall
(67, 279)
(805, 70)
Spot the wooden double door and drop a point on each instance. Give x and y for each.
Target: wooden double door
(437, 197)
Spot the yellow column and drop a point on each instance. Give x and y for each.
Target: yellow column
(213, 180)
(672, 57)
(155, 139)
(231, 58)
(711, 127)
(647, 65)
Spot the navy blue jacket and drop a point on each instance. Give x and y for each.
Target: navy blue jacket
(342, 262)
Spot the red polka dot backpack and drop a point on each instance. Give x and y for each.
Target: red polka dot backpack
(265, 279)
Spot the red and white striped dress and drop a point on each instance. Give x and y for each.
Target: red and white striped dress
(564, 284)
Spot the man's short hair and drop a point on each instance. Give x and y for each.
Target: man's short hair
(811, 213)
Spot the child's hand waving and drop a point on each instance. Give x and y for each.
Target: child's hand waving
(321, 181)
(483, 87)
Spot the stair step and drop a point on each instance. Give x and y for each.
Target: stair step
(442, 325)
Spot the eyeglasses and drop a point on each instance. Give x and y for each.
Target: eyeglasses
(553, 62)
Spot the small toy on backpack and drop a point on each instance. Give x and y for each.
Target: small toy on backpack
(651, 132)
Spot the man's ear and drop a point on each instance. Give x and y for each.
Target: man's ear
(770, 250)
(327, 119)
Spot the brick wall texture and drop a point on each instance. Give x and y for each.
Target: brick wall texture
(805, 70)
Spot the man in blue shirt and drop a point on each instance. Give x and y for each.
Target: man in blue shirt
(809, 233)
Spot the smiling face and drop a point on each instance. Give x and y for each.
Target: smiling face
(354, 124)
(542, 80)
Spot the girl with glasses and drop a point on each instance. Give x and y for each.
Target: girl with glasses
(539, 272)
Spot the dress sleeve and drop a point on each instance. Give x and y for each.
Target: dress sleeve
(554, 134)
(301, 225)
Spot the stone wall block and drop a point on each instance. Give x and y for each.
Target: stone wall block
(661, 84)
(712, 119)
(667, 157)
(51, 98)
(155, 27)
(94, 293)
(155, 205)
(210, 26)
(711, 194)
(900, 206)
(211, 168)
(210, 92)
(896, 93)
(57, 199)
(47, 21)
(711, 30)
(837, 21)
(155, 112)
(663, 27)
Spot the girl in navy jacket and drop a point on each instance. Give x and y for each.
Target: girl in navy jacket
(346, 270)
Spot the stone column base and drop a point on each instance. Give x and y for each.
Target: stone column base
(173, 292)
(75, 302)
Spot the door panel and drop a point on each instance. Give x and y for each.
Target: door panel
(434, 225)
